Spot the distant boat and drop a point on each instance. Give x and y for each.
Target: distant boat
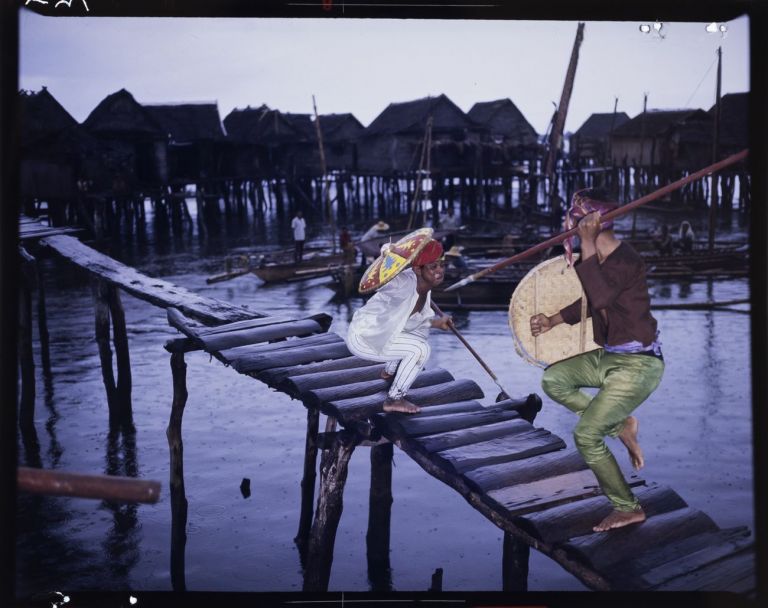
(281, 267)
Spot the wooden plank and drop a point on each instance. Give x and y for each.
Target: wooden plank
(296, 385)
(247, 324)
(699, 559)
(599, 550)
(461, 437)
(504, 449)
(317, 396)
(277, 375)
(645, 569)
(497, 476)
(238, 352)
(548, 492)
(155, 291)
(288, 357)
(437, 410)
(417, 427)
(448, 392)
(229, 341)
(566, 521)
(736, 574)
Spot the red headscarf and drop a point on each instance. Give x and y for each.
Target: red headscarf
(432, 252)
(583, 203)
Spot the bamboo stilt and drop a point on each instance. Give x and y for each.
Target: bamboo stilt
(178, 496)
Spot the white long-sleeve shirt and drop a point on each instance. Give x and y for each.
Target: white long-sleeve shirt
(299, 226)
(388, 311)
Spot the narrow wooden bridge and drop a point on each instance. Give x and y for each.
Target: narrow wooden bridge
(524, 479)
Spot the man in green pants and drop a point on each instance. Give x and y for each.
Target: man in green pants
(628, 367)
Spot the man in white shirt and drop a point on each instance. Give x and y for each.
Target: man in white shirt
(299, 226)
(394, 325)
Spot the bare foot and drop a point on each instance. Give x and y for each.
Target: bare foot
(628, 437)
(400, 405)
(385, 376)
(619, 519)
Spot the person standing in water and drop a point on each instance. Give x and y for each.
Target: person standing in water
(299, 227)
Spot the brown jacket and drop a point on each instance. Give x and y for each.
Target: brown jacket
(617, 296)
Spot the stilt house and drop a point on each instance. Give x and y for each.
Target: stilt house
(590, 144)
(195, 143)
(664, 140)
(510, 139)
(393, 142)
(340, 133)
(138, 143)
(734, 123)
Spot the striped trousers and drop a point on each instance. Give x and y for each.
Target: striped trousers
(404, 355)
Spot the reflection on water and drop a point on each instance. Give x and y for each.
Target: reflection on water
(695, 429)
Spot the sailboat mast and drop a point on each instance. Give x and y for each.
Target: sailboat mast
(556, 136)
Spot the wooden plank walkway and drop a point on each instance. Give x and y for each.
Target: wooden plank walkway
(524, 479)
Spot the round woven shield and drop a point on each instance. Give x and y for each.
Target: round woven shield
(546, 289)
(400, 254)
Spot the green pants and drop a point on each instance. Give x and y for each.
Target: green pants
(625, 381)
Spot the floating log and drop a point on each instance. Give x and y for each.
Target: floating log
(317, 396)
(577, 518)
(467, 436)
(274, 376)
(105, 487)
(155, 291)
(549, 492)
(600, 550)
(290, 357)
(513, 447)
(363, 407)
(553, 464)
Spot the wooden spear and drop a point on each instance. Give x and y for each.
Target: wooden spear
(105, 487)
(734, 158)
(474, 353)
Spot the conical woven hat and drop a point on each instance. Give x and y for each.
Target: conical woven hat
(546, 289)
(398, 256)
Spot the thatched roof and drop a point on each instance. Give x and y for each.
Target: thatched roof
(335, 127)
(599, 125)
(259, 126)
(734, 119)
(121, 113)
(303, 124)
(410, 117)
(659, 122)
(42, 116)
(502, 117)
(187, 122)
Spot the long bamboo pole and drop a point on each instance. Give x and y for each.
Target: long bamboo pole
(734, 158)
(106, 487)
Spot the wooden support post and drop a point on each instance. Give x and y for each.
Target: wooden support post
(333, 475)
(42, 323)
(26, 360)
(514, 565)
(122, 357)
(308, 480)
(107, 304)
(178, 496)
(379, 518)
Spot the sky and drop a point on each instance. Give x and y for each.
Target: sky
(363, 65)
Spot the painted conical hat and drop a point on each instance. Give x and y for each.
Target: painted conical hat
(396, 258)
(546, 289)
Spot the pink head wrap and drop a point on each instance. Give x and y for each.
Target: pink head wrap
(583, 203)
